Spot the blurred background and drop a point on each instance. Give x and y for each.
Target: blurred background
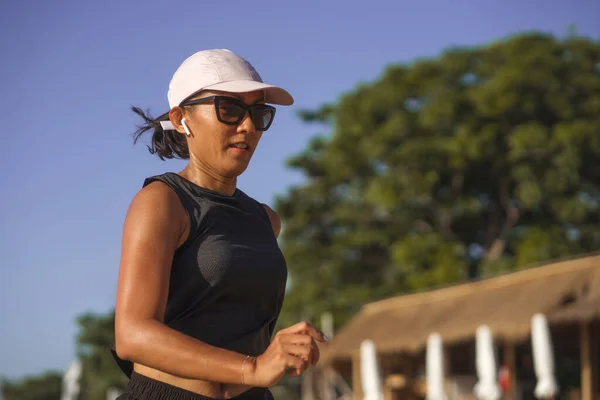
(434, 147)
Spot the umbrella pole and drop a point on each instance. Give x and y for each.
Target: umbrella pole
(357, 390)
(586, 363)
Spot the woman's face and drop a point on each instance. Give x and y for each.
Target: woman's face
(218, 148)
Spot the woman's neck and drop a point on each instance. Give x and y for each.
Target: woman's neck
(209, 180)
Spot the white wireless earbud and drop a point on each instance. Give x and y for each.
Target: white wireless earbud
(187, 130)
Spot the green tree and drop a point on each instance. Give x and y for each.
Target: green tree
(479, 161)
(46, 386)
(100, 371)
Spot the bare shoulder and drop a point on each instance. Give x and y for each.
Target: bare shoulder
(154, 228)
(156, 192)
(157, 208)
(275, 220)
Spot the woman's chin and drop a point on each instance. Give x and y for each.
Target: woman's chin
(235, 169)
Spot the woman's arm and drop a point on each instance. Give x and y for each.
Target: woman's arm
(156, 224)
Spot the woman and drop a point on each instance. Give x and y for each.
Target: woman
(202, 279)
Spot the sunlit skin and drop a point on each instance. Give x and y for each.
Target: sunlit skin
(155, 226)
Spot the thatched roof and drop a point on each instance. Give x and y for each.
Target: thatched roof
(505, 303)
(586, 310)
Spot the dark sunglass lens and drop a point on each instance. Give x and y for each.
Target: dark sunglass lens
(230, 111)
(261, 117)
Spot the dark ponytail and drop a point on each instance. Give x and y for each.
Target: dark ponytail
(165, 144)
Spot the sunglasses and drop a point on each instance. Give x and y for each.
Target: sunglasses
(232, 111)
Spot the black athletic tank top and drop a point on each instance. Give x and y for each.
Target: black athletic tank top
(228, 279)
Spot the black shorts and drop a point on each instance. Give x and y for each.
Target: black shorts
(143, 388)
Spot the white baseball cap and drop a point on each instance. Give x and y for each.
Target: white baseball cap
(222, 70)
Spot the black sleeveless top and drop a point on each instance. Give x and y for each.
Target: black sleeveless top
(228, 278)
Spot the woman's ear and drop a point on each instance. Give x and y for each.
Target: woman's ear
(175, 116)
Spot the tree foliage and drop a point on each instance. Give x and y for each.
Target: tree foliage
(46, 386)
(480, 161)
(100, 372)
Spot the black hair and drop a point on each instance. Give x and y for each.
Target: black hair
(165, 144)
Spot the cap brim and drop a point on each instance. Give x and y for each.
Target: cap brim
(274, 94)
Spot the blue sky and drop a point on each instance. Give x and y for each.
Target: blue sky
(70, 70)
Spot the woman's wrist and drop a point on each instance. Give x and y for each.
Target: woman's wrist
(248, 371)
(243, 364)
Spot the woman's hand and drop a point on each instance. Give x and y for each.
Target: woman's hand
(292, 348)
